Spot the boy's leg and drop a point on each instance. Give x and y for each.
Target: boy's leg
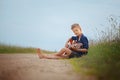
(64, 52)
(55, 56)
(48, 56)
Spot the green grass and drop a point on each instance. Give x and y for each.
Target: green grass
(18, 49)
(102, 61)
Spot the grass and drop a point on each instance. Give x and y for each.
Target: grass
(103, 59)
(18, 49)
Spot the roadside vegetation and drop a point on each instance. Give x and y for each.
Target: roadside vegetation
(10, 49)
(103, 59)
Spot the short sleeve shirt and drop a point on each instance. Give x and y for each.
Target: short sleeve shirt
(82, 40)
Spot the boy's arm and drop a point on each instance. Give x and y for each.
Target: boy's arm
(79, 50)
(66, 44)
(85, 46)
(82, 50)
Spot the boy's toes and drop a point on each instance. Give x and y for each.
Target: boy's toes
(39, 53)
(38, 50)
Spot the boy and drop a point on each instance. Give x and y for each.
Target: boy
(76, 46)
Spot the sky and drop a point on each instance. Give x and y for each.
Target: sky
(47, 23)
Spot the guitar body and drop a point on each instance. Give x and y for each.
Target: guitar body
(73, 43)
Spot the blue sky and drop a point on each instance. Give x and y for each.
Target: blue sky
(46, 23)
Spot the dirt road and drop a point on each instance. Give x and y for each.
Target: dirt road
(30, 67)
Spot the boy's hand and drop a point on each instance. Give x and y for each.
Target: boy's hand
(69, 41)
(73, 47)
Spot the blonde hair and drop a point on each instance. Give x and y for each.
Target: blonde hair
(76, 26)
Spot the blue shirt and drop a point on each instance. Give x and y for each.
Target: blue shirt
(82, 40)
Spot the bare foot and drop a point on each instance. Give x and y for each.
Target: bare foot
(39, 53)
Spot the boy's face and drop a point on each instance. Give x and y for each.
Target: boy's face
(77, 31)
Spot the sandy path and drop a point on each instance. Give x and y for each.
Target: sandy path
(30, 67)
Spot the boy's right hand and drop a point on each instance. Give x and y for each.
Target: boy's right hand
(73, 47)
